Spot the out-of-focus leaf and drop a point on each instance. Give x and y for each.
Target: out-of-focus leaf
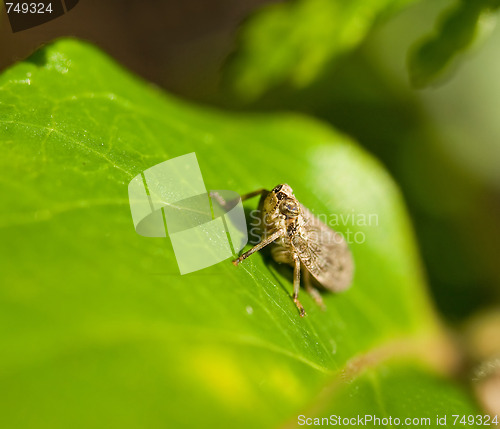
(386, 394)
(99, 330)
(457, 28)
(291, 42)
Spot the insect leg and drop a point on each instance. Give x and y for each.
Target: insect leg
(311, 290)
(259, 246)
(296, 286)
(254, 194)
(222, 202)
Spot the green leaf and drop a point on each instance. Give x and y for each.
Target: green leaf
(97, 327)
(292, 42)
(456, 30)
(386, 396)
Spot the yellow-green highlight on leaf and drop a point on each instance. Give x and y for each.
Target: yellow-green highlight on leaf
(97, 327)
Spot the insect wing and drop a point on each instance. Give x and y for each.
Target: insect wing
(324, 253)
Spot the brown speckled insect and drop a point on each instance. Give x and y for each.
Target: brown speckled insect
(300, 239)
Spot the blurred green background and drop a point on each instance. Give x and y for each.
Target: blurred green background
(415, 83)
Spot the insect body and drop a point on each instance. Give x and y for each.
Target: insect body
(300, 239)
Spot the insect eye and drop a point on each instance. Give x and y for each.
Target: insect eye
(289, 208)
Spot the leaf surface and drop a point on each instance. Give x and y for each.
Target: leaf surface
(97, 327)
